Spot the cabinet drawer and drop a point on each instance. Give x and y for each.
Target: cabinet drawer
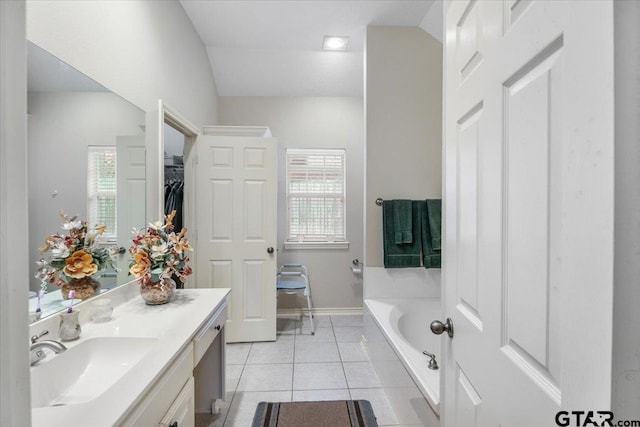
(209, 332)
(181, 413)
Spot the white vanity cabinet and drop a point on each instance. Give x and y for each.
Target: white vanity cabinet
(193, 382)
(156, 404)
(180, 373)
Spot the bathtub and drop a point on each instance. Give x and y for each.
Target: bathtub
(399, 329)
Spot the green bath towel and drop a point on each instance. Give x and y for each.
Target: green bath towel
(434, 213)
(405, 254)
(402, 223)
(431, 214)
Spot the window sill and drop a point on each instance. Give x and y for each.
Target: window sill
(316, 245)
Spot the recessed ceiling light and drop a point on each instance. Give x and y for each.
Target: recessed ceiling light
(335, 43)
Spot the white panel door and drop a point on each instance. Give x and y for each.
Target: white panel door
(130, 204)
(236, 213)
(528, 211)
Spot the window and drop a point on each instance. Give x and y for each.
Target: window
(316, 197)
(101, 189)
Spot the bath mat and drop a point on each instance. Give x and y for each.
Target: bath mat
(333, 413)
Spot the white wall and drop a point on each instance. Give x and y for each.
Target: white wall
(143, 50)
(626, 318)
(314, 123)
(433, 23)
(14, 365)
(60, 127)
(403, 108)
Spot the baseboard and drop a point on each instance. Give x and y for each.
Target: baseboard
(336, 311)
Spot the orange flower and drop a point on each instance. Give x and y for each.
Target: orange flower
(169, 218)
(180, 243)
(80, 264)
(142, 258)
(141, 266)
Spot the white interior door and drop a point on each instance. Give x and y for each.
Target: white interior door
(130, 205)
(236, 184)
(528, 210)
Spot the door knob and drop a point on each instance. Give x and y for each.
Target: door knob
(269, 250)
(437, 327)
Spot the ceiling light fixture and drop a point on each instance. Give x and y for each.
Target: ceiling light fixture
(335, 43)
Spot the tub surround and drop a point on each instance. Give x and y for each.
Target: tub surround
(398, 330)
(178, 328)
(396, 283)
(399, 305)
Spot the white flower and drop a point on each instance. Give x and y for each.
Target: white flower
(70, 225)
(158, 225)
(158, 251)
(60, 250)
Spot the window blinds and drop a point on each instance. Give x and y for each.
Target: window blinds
(316, 195)
(101, 189)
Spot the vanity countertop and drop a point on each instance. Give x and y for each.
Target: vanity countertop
(173, 325)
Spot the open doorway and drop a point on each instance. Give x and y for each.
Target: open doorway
(177, 141)
(174, 142)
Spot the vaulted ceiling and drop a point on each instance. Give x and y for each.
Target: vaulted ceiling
(274, 48)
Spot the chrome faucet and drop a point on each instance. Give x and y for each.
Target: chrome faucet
(36, 351)
(432, 362)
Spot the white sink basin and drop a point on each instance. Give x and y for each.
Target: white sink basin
(85, 371)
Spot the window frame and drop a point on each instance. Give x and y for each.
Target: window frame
(93, 192)
(293, 243)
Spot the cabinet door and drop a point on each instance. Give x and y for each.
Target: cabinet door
(150, 412)
(181, 412)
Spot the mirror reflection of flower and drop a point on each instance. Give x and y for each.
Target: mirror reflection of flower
(74, 256)
(158, 252)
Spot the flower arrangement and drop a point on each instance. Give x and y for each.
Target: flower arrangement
(74, 256)
(159, 253)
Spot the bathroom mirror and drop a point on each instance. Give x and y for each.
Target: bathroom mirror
(70, 119)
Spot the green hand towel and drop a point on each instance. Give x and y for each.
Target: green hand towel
(402, 224)
(406, 254)
(434, 212)
(432, 257)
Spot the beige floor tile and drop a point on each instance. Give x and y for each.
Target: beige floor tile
(321, 335)
(310, 352)
(319, 321)
(318, 376)
(233, 373)
(361, 375)
(287, 326)
(352, 352)
(308, 395)
(236, 354)
(379, 402)
(347, 320)
(244, 405)
(348, 333)
(275, 377)
(280, 351)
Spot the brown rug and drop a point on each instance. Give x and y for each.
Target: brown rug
(336, 413)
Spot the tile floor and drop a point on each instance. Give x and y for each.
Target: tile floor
(330, 365)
